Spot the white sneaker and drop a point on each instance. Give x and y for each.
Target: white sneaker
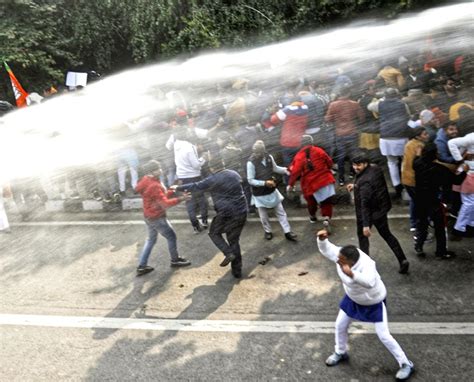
(404, 372)
(335, 358)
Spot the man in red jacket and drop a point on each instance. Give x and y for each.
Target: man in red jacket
(156, 199)
(313, 167)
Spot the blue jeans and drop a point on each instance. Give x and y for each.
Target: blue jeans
(197, 199)
(158, 226)
(345, 147)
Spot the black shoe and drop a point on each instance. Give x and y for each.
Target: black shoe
(313, 219)
(144, 270)
(227, 260)
(197, 229)
(455, 235)
(204, 224)
(446, 256)
(180, 262)
(291, 236)
(107, 198)
(237, 274)
(398, 192)
(268, 235)
(419, 250)
(404, 267)
(342, 182)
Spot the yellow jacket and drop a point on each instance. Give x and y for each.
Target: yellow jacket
(392, 77)
(408, 174)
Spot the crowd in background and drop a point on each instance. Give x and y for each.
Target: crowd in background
(391, 112)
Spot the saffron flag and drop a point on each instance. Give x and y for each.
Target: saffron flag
(20, 93)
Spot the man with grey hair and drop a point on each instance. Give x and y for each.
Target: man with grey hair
(265, 195)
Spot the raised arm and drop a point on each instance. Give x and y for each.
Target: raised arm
(327, 249)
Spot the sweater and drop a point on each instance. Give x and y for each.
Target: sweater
(226, 191)
(311, 179)
(366, 286)
(188, 163)
(156, 199)
(295, 122)
(371, 197)
(347, 116)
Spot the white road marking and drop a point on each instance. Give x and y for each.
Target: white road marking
(173, 221)
(231, 326)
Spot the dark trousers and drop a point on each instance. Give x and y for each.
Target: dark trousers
(411, 193)
(232, 227)
(424, 211)
(198, 199)
(384, 230)
(345, 147)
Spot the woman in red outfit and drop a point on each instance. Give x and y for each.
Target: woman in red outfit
(312, 166)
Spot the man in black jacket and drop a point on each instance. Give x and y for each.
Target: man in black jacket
(230, 204)
(430, 178)
(372, 203)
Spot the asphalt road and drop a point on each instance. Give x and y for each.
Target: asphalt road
(87, 269)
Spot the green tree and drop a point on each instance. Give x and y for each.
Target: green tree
(41, 39)
(30, 43)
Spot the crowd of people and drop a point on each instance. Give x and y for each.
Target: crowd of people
(306, 130)
(248, 146)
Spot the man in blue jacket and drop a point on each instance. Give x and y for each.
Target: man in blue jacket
(230, 204)
(449, 131)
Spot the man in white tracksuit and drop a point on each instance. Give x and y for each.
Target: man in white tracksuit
(364, 301)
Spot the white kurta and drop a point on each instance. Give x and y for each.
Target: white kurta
(4, 225)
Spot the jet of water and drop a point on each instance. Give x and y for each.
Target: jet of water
(80, 129)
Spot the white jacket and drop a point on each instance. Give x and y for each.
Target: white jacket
(464, 144)
(366, 287)
(188, 163)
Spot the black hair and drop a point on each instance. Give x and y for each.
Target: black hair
(216, 163)
(430, 151)
(416, 132)
(351, 253)
(360, 156)
(449, 123)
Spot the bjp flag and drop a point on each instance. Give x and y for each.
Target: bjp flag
(20, 93)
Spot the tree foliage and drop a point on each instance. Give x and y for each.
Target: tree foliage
(41, 39)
